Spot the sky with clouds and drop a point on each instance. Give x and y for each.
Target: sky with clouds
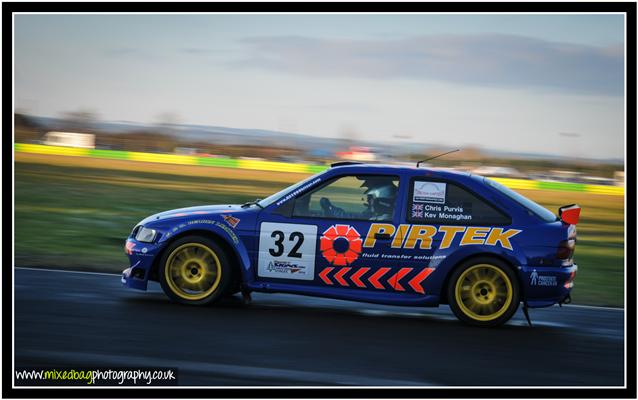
(508, 82)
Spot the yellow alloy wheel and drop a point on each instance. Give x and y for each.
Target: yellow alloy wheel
(483, 292)
(192, 271)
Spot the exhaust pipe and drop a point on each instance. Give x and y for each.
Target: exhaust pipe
(566, 300)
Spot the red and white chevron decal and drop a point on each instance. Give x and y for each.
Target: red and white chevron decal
(340, 277)
(356, 277)
(324, 275)
(374, 279)
(415, 283)
(394, 279)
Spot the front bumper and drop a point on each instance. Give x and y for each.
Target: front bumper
(546, 286)
(141, 257)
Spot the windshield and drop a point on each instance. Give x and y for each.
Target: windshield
(530, 205)
(290, 191)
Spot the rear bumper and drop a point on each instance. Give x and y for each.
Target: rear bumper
(546, 286)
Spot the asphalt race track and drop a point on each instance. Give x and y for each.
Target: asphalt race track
(79, 319)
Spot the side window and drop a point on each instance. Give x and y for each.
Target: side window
(364, 197)
(446, 203)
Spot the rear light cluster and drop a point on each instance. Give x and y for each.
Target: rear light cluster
(566, 248)
(570, 281)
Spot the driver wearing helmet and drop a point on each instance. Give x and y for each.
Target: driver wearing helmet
(379, 199)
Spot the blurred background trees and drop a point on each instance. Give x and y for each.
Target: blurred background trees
(167, 134)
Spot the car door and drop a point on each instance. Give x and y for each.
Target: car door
(333, 237)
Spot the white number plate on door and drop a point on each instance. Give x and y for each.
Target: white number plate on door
(287, 251)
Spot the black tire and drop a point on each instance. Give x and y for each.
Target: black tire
(490, 295)
(217, 261)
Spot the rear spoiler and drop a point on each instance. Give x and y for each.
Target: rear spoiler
(569, 214)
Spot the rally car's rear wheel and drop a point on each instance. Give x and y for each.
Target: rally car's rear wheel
(194, 270)
(484, 292)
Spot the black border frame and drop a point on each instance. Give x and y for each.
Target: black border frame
(630, 307)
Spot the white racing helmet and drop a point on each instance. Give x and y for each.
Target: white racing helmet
(380, 197)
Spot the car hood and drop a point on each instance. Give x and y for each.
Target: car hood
(193, 211)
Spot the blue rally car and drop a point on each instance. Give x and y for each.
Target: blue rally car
(396, 235)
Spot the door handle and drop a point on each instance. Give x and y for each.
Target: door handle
(382, 236)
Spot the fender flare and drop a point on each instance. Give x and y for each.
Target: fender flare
(457, 258)
(219, 232)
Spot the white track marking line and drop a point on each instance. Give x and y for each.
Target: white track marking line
(68, 271)
(593, 307)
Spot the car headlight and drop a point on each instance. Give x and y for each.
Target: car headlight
(145, 235)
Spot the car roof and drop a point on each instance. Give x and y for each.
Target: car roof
(398, 169)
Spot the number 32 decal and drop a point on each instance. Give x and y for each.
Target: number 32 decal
(287, 251)
(294, 236)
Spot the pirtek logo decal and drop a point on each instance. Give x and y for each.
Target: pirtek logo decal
(407, 236)
(376, 279)
(340, 245)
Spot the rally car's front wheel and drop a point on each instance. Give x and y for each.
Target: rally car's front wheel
(195, 270)
(484, 292)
